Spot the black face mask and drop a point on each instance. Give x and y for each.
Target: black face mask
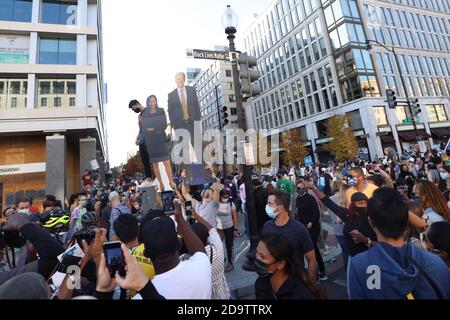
(262, 269)
(361, 211)
(301, 192)
(137, 110)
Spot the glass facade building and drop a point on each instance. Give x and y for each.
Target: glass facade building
(314, 62)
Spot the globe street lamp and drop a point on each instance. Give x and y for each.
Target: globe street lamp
(230, 21)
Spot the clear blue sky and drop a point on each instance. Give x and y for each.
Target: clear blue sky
(144, 43)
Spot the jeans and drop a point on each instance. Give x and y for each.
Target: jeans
(344, 249)
(228, 235)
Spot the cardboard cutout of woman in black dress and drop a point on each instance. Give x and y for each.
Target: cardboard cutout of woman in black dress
(154, 123)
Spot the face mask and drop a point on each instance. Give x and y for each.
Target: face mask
(225, 200)
(301, 192)
(361, 211)
(262, 269)
(137, 110)
(27, 211)
(352, 182)
(444, 175)
(83, 203)
(271, 212)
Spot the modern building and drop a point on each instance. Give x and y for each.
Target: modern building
(315, 63)
(52, 117)
(215, 90)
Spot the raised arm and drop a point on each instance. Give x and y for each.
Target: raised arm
(191, 240)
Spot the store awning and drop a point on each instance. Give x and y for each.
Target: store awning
(410, 136)
(440, 132)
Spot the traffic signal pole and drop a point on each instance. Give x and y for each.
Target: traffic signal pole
(400, 71)
(248, 169)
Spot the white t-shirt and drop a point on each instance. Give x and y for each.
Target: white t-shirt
(190, 279)
(207, 211)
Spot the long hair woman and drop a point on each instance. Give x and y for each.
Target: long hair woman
(433, 201)
(279, 277)
(154, 124)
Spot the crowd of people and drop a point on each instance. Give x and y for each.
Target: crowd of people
(390, 218)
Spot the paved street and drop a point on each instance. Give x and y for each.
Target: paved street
(241, 282)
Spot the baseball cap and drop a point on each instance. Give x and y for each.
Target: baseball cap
(113, 195)
(160, 238)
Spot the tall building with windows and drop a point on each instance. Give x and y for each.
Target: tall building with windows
(52, 117)
(215, 90)
(315, 63)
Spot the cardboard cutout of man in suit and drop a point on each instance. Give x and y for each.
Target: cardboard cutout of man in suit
(184, 111)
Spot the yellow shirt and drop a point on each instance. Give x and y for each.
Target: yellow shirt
(144, 262)
(368, 191)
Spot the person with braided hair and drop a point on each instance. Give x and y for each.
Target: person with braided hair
(433, 201)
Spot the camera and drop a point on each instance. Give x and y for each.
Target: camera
(11, 239)
(85, 234)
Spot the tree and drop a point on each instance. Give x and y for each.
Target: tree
(294, 147)
(343, 145)
(133, 166)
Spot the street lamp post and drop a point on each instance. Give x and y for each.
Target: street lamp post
(230, 21)
(392, 49)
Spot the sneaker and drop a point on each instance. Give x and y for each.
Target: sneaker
(228, 267)
(323, 276)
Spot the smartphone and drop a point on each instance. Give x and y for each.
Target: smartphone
(114, 258)
(167, 198)
(188, 208)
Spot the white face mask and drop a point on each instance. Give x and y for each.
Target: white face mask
(27, 211)
(444, 175)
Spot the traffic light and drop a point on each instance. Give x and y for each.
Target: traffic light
(391, 99)
(224, 116)
(415, 106)
(248, 76)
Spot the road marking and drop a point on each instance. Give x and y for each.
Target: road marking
(341, 282)
(246, 243)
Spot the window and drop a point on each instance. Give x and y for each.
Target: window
(380, 116)
(14, 102)
(233, 111)
(57, 51)
(231, 98)
(16, 10)
(436, 113)
(43, 102)
(228, 73)
(58, 12)
(229, 85)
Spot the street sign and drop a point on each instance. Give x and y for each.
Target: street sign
(207, 54)
(309, 161)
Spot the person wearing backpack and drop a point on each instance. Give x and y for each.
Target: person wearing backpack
(395, 269)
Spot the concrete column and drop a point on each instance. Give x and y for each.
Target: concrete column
(31, 95)
(56, 166)
(35, 13)
(82, 13)
(392, 120)
(88, 152)
(33, 48)
(370, 126)
(81, 50)
(81, 101)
